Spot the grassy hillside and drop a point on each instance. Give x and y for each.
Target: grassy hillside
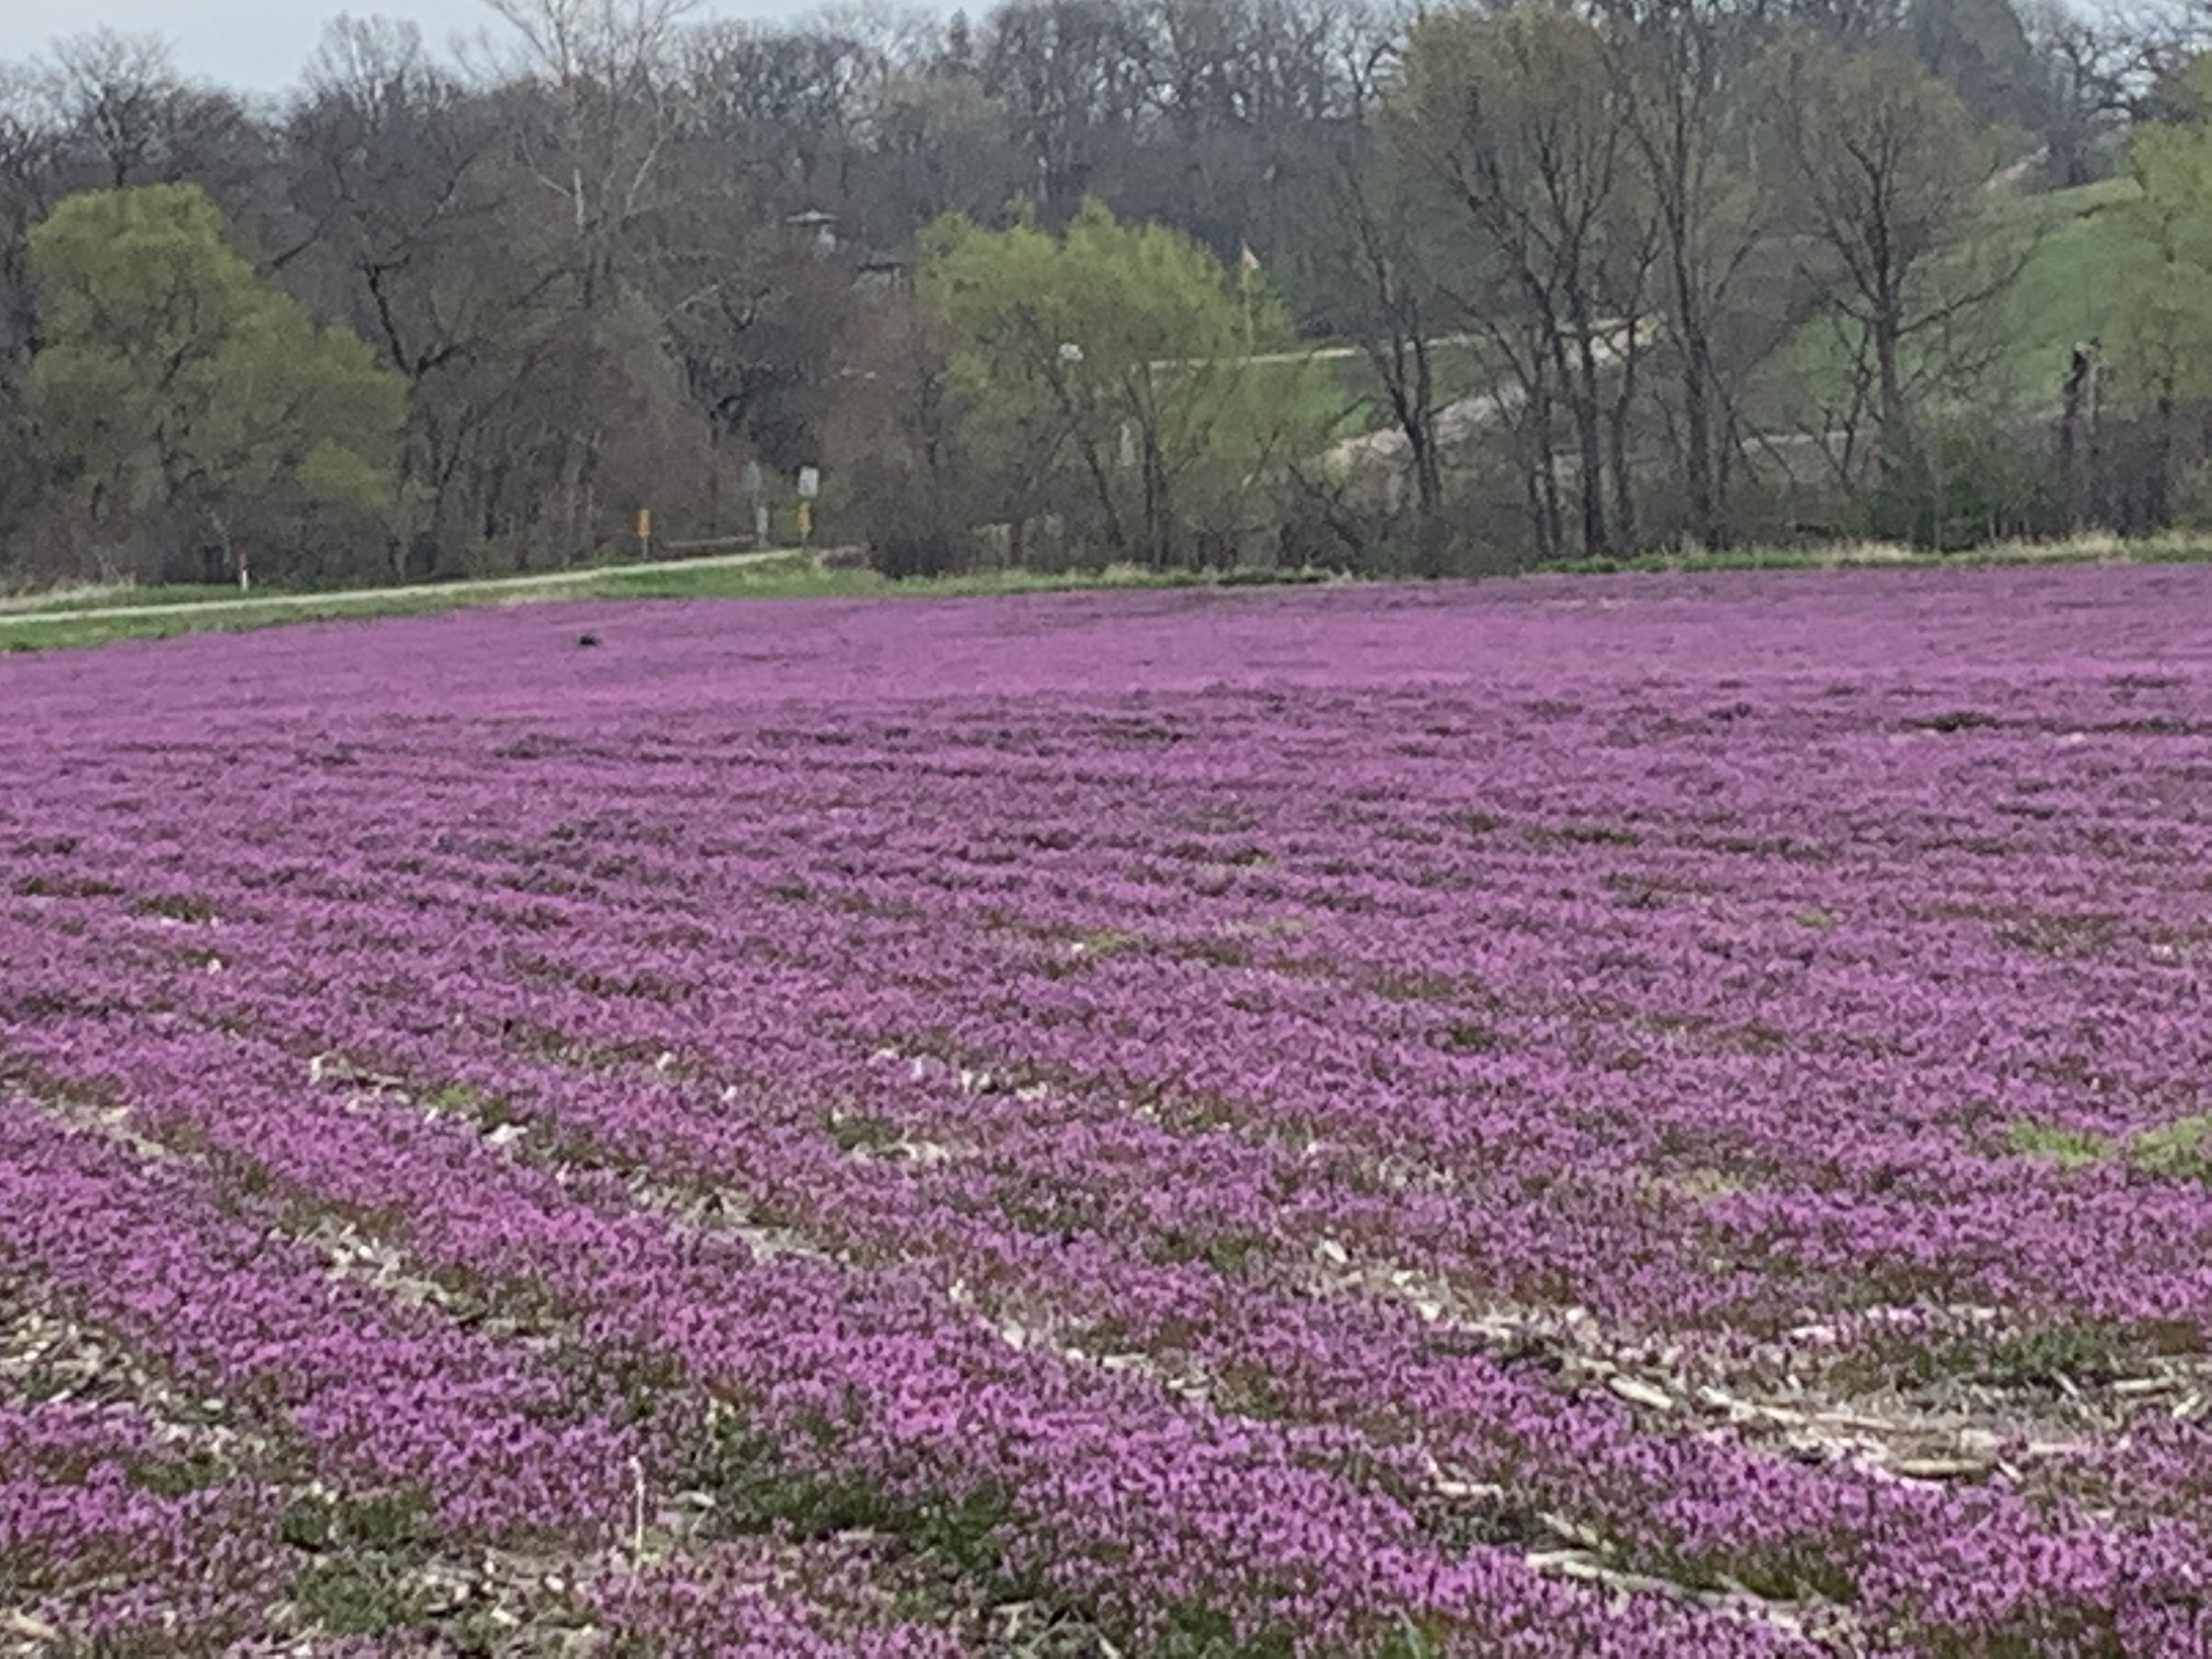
(2082, 273)
(1334, 382)
(2084, 270)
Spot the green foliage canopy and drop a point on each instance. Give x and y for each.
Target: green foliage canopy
(2166, 354)
(173, 381)
(1118, 372)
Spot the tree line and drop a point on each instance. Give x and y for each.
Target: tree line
(1169, 281)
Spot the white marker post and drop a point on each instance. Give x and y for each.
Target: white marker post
(810, 486)
(754, 483)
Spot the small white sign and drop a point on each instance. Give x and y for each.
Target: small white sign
(810, 483)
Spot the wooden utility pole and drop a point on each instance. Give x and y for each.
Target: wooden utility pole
(2077, 421)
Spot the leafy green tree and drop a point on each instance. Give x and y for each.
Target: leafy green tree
(1118, 371)
(2165, 356)
(175, 388)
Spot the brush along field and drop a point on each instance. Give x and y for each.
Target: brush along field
(1653, 1117)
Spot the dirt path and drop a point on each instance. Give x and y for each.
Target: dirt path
(379, 595)
(1454, 423)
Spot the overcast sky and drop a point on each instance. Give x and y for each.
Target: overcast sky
(260, 46)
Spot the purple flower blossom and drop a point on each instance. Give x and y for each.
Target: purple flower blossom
(1175, 1110)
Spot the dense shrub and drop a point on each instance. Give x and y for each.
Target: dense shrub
(1959, 487)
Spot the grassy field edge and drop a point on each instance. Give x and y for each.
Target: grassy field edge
(33, 624)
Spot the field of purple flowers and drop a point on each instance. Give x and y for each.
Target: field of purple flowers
(1653, 1117)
